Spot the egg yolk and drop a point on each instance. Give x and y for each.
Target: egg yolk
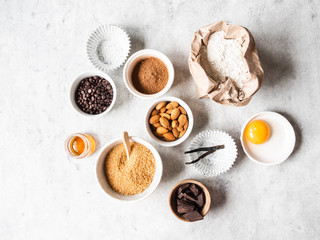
(257, 132)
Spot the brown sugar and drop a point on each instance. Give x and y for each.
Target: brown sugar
(133, 176)
(150, 76)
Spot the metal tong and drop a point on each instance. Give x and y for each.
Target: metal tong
(208, 150)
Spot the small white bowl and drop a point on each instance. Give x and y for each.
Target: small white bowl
(75, 84)
(131, 63)
(103, 182)
(278, 147)
(189, 115)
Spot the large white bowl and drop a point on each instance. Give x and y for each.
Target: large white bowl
(103, 182)
(189, 115)
(278, 147)
(131, 63)
(75, 84)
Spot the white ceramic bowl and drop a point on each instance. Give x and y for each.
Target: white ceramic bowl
(75, 84)
(103, 180)
(279, 145)
(189, 115)
(131, 63)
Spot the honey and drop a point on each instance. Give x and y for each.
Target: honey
(80, 145)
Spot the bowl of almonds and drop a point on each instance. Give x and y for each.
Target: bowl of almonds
(169, 121)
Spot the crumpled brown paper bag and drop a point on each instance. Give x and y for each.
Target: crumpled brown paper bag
(225, 92)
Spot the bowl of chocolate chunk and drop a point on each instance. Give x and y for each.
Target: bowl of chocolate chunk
(93, 94)
(190, 200)
(148, 74)
(169, 121)
(129, 179)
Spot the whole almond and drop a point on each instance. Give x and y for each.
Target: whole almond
(164, 122)
(162, 110)
(169, 136)
(174, 104)
(156, 125)
(161, 105)
(157, 134)
(182, 120)
(175, 113)
(155, 112)
(186, 125)
(182, 133)
(175, 132)
(182, 110)
(162, 130)
(166, 115)
(169, 111)
(174, 124)
(180, 129)
(169, 106)
(154, 119)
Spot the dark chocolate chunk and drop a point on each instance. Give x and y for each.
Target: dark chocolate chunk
(187, 197)
(183, 187)
(194, 189)
(189, 193)
(181, 195)
(193, 216)
(200, 200)
(184, 201)
(180, 202)
(185, 207)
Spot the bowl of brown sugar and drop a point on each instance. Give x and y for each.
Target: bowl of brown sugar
(148, 74)
(130, 179)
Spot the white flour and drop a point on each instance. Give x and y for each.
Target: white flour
(223, 58)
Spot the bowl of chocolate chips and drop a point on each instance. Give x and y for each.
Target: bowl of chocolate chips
(93, 94)
(190, 200)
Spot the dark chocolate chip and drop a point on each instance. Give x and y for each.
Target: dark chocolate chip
(92, 95)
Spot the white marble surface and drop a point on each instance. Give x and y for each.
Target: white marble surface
(45, 195)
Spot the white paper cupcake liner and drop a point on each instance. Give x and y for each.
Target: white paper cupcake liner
(219, 161)
(108, 47)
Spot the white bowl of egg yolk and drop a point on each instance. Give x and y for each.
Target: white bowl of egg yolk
(268, 138)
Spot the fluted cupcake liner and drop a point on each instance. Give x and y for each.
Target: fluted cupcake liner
(219, 161)
(108, 47)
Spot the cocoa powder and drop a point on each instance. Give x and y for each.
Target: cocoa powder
(150, 76)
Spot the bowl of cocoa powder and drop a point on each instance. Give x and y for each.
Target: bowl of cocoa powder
(148, 74)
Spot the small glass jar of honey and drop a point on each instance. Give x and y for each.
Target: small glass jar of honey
(80, 145)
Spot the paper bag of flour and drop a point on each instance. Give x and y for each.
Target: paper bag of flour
(225, 91)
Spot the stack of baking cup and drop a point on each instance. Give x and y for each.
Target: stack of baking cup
(108, 47)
